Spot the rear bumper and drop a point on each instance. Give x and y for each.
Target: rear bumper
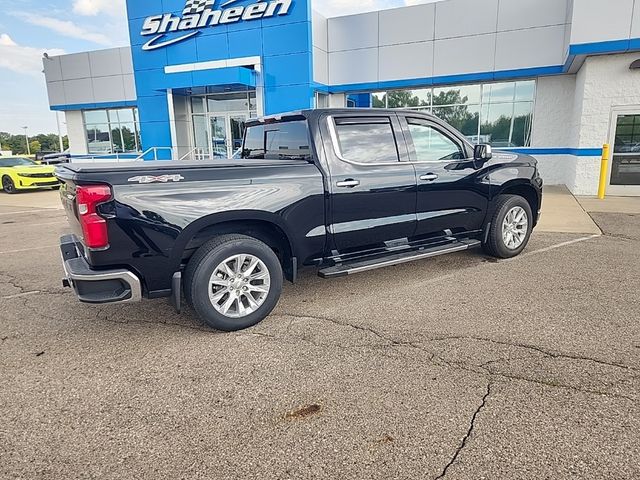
(96, 286)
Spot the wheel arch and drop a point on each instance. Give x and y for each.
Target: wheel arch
(10, 176)
(525, 190)
(268, 228)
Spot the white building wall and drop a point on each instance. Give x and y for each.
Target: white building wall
(182, 126)
(604, 84)
(76, 132)
(553, 112)
(604, 20)
(574, 111)
(320, 40)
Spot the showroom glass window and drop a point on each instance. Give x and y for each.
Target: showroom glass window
(497, 113)
(112, 131)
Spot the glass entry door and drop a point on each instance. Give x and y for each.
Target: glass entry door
(625, 160)
(226, 133)
(218, 121)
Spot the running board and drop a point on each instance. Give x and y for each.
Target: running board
(359, 266)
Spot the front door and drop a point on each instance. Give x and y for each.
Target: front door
(226, 133)
(373, 186)
(452, 197)
(625, 158)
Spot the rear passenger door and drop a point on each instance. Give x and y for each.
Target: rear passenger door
(452, 192)
(372, 183)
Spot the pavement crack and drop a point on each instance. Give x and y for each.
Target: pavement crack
(468, 435)
(482, 369)
(543, 351)
(562, 385)
(13, 281)
(362, 328)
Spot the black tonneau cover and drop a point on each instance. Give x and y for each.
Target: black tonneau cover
(164, 165)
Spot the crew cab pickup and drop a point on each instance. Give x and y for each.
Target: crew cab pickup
(344, 190)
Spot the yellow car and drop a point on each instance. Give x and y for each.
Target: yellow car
(18, 173)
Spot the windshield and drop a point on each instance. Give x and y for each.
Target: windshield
(15, 162)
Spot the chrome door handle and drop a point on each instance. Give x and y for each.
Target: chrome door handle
(350, 183)
(429, 177)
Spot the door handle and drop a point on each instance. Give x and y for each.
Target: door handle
(429, 177)
(349, 183)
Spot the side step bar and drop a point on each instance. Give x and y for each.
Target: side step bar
(359, 266)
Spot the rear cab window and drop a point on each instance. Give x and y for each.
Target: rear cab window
(288, 140)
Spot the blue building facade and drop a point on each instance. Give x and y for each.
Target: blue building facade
(244, 46)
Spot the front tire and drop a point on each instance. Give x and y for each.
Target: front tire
(8, 185)
(511, 227)
(233, 282)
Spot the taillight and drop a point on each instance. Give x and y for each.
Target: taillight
(94, 227)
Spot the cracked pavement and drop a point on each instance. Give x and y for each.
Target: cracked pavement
(457, 367)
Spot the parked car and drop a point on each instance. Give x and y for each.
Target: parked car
(55, 158)
(344, 190)
(19, 173)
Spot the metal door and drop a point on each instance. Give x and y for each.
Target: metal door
(624, 169)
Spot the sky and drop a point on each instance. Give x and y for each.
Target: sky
(28, 28)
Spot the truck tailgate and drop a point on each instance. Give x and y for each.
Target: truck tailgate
(68, 199)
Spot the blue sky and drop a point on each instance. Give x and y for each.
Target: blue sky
(28, 28)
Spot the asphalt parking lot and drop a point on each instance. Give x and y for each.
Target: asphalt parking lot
(459, 367)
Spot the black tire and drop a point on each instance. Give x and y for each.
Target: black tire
(495, 244)
(8, 185)
(202, 266)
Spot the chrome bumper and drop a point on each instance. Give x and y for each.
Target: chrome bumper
(96, 286)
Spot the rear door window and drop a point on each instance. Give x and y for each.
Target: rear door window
(278, 141)
(366, 140)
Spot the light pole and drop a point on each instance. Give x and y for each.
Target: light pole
(26, 137)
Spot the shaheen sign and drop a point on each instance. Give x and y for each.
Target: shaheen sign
(199, 14)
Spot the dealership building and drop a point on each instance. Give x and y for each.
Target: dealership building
(553, 78)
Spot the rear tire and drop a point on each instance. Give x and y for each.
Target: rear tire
(511, 227)
(8, 185)
(233, 282)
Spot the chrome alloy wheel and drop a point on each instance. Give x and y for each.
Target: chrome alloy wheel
(514, 228)
(239, 286)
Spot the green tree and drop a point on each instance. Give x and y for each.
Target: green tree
(35, 146)
(404, 98)
(43, 142)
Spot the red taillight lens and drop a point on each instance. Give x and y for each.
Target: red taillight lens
(94, 227)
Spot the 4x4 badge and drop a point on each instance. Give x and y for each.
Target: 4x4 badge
(156, 179)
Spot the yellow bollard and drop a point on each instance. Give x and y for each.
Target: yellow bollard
(604, 172)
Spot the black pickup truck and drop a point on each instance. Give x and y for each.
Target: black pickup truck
(345, 190)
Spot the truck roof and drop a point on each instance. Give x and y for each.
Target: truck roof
(302, 114)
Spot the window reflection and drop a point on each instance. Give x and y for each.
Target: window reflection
(364, 141)
(280, 141)
(497, 113)
(432, 145)
(112, 131)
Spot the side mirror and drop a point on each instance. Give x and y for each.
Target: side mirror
(482, 152)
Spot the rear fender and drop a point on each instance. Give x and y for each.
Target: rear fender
(224, 219)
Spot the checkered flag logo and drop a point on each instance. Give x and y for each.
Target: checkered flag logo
(193, 7)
